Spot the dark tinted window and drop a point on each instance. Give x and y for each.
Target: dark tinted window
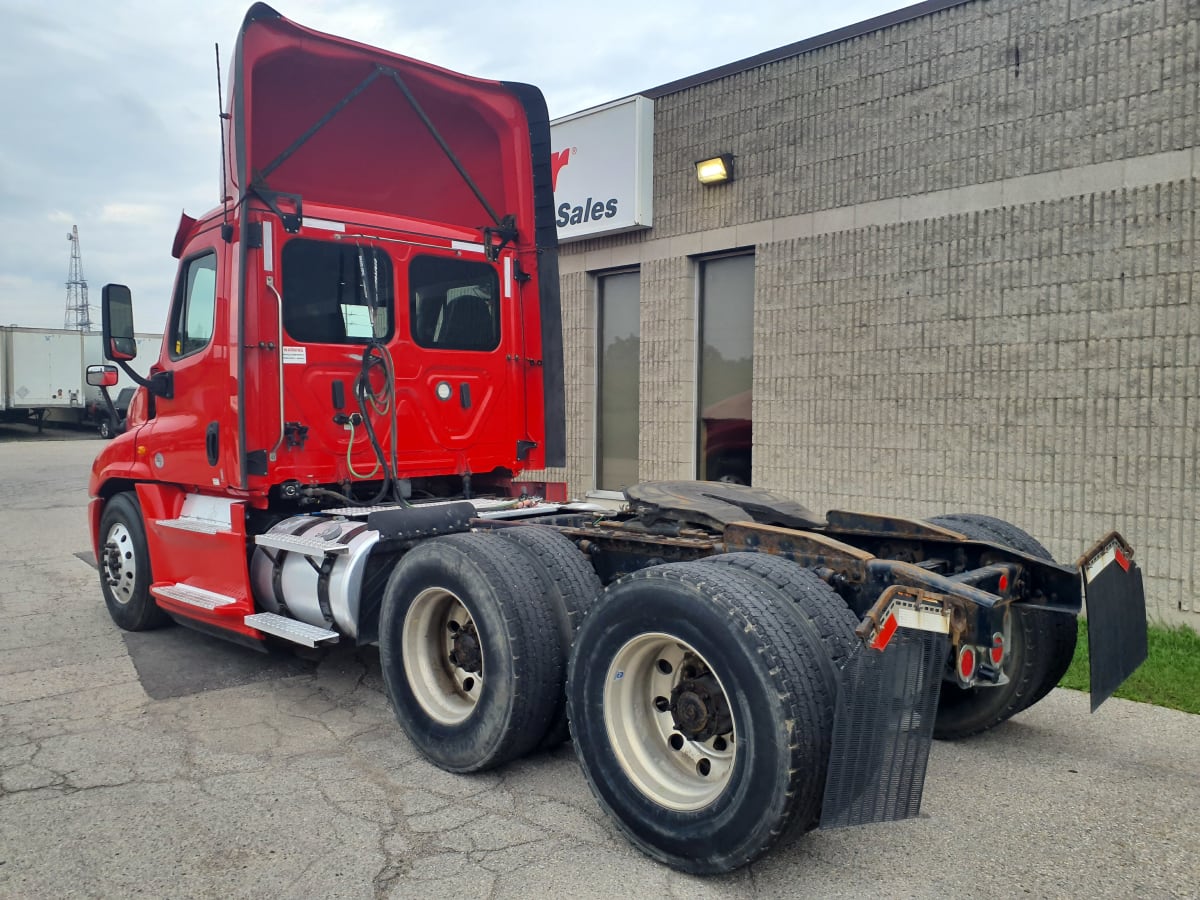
(329, 289)
(454, 304)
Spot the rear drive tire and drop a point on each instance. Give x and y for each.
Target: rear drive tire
(815, 599)
(470, 651)
(1041, 645)
(105, 427)
(571, 585)
(124, 566)
(702, 715)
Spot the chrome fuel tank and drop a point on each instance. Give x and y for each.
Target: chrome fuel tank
(318, 578)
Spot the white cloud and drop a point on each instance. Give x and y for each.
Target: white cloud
(132, 212)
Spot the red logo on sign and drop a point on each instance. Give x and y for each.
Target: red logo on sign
(557, 161)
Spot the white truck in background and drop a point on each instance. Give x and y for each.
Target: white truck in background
(42, 376)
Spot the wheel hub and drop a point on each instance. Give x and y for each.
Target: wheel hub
(698, 708)
(112, 562)
(466, 652)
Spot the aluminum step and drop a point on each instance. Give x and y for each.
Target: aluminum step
(200, 526)
(185, 593)
(290, 629)
(298, 543)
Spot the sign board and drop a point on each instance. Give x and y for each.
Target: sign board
(603, 165)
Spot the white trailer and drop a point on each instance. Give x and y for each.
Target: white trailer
(42, 373)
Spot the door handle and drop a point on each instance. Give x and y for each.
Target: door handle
(212, 443)
(464, 395)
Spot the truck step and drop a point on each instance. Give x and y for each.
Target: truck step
(290, 629)
(185, 593)
(200, 526)
(294, 543)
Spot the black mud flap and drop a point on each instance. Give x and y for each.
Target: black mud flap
(1116, 617)
(883, 729)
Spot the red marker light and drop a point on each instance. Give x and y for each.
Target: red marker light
(1003, 582)
(966, 663)
(997, 652)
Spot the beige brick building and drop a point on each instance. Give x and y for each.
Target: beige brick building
(973, 228)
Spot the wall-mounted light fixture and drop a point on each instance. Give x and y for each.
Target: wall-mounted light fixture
(716, 170)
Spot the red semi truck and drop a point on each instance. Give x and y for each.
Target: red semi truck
(364, 348)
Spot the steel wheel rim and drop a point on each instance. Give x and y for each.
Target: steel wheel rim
(447, 691)
(667, 766)
(120, 563)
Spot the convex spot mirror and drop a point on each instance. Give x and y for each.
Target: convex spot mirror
(101, 376)
(116, 316)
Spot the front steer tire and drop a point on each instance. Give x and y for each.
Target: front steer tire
(124, 566)
(1040, 648)
(700, 802)
(470, 651)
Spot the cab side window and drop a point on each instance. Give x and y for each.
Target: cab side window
(195, 305)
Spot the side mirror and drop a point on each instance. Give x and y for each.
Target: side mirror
(116, 316)
(101, 376)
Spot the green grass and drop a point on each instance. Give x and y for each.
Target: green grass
(1169, 677)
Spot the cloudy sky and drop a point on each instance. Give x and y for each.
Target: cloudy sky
(109, 107)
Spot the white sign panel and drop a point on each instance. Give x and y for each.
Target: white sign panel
(603, 169)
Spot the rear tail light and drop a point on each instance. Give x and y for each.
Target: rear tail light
(998, 648)
(966, 663)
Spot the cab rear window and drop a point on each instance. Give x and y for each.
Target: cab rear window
(336, 293)
(454, 304)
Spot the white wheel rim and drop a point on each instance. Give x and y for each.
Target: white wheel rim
(672, 769)
(436, 622)
(120, 563)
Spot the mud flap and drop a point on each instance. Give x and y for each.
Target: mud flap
(883, 729)
(1116, 618)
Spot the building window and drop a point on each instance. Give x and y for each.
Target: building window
(724, 430)
(620, 331)
(336, 293)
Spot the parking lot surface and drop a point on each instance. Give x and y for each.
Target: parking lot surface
(172, 764)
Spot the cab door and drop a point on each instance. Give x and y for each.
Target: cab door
(189, 438)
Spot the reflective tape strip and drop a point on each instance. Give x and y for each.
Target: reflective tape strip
(468, 247)
(885, 633)
(508, 272)
(1099, 563)
(268, 248)
(324, 224)
(924, 619)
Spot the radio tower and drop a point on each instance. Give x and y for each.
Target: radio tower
(78, 315)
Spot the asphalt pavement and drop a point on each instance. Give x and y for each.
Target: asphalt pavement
(171, 764)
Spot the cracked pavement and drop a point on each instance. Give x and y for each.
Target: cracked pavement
(288, 778)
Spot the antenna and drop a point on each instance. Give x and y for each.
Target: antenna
(78, 316)
(223, 116)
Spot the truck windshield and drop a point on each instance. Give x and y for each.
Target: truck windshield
(336, 293)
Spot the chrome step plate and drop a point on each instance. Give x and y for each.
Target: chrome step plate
(290, 629)
(300, 544)
(185, 593)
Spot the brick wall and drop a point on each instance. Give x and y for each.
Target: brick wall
(976, 250)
